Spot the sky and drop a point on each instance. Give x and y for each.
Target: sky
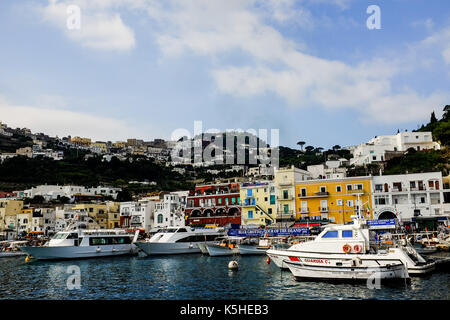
(145, 69)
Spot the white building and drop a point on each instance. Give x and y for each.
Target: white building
(375, 150)
(170, 211)
(329, 170)
(408, 197)
(55, 192)
(138, 214)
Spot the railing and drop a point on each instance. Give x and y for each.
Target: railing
(288, 198)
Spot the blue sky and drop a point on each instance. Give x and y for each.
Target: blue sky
(143, 68)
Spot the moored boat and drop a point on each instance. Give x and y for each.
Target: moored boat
(77, 242)
(179, 240)
(226, 247)
(337, 244)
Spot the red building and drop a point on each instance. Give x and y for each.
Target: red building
(214, 204)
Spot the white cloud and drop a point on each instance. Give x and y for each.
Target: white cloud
(279, 66)
(63, 122)
(100, 28)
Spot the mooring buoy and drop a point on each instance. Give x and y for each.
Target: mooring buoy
(233, 265)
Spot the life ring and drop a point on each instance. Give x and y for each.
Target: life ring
(357, 248)
(347, 248)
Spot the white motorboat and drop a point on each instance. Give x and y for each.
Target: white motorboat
(337, 246)
(78, 242)
(225, 247)
(12, 248)
(254, 247)
(179, 240)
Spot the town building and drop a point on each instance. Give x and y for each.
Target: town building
(259, 203)
(169, 212)
(8, 212)
(334, 200)
(214, 204)
(285, 180)
(138, 214)
(331, 169)
(378, 148)
(412, 198)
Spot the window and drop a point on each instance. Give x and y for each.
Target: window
(330, 234)
(303, 192)
(286, 208)
(347, 233)
(219, 201)
(379, 187)
(250, 214)
(285, 194)
(358, 186)
(269, 211)
(249, 192)
(323, 189)
(233, 200)
(160, 218)
(349, 203)
(339, 202)
(272, 199)
(338, 189)
(349, 187)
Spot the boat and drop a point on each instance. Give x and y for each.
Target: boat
(254, 246)
(421, 249)
(179, 240)
(12, 248)
(338, 245)
(224, 247)
(202, 247)
(77, 241)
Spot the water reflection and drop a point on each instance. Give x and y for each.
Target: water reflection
(189, 277)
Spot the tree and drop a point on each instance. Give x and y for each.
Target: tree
(336, 147)
(309, 148)
(446, 115)
(433, 118)
(124, 196)
(301, 144)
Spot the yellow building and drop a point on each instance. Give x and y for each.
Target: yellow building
(24, 220)
(81, 141)
(284, 181)
(107, 215)
(333, 199)
(119, 144)
(258, 202)
(98, 212)
(8, 213)
(99, 146)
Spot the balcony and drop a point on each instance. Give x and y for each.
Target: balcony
(288, 198)
(322, 194)
(355, 191)
(323, 209)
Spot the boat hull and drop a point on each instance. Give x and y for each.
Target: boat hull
(251, 250)
(81, 252)
(163, 248)
(281, 258)
(12, 254)
(361, 273)
(216, 250)
(203, 248)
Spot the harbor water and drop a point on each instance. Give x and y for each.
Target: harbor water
(190, 277)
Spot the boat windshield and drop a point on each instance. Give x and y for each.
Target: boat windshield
(60, 235)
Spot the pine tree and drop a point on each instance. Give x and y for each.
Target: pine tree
(433, 118)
